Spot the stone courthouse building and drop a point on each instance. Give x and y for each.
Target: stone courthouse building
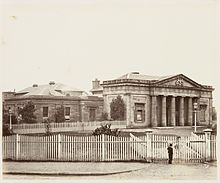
(150, 101)
(78, 105)
(159, 101)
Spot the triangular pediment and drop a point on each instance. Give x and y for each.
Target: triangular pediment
(180, 81)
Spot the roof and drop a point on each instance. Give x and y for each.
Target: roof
(136, 75)
(55, 89)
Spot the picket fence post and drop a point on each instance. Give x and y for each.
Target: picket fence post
(149, 150)
(103, 147)
(59, 146)
(208, 145)
(17, 147)
(178, 158)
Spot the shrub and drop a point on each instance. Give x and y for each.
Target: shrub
(106, 129)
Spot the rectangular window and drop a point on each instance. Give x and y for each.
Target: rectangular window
(202, 113)
(139, 116)
(45, 112)
(92, 115)
(67, 113)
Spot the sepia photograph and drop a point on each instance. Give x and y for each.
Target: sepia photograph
(109, 90)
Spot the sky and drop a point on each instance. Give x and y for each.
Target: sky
(74, 42)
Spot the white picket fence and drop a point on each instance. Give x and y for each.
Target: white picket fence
(150, 147)
(64, 127)
(213, 147)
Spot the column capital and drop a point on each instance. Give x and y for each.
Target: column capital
(127, 94)
(164, 95)
(173, 96)
(181, 96)
(154, 95)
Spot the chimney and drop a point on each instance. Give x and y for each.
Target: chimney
(95, 84)
(131, 73)
(51, 83)
(135, 72)
(35, 85)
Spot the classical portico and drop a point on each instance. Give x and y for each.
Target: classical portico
(160, 101)
(172, 110)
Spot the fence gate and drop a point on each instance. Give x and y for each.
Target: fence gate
(159, 144)
(185, 149)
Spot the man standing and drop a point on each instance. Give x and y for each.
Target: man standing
(170, 153)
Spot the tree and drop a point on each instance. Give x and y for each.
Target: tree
(117, 108)
(27, 113)
(60, 115)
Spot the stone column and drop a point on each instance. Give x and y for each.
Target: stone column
(148, 112)
(181, 117)
(154, 111)
(173, 112)
(164, 114)
(190, 112)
